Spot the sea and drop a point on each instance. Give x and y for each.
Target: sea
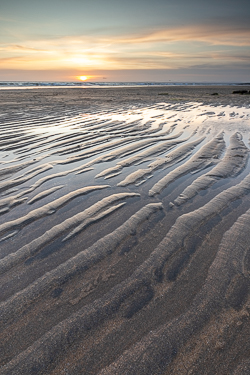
(42, 84)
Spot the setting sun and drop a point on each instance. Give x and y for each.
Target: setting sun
(84, 78)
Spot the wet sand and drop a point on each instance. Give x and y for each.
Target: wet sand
(124, 229)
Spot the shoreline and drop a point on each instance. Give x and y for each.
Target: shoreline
(129, 95)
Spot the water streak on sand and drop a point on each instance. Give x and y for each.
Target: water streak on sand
(47, 209)
(205, 157)
(233, 162)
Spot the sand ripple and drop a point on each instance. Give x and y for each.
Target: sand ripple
(146, 275)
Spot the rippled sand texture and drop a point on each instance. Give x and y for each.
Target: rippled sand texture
(124, 233)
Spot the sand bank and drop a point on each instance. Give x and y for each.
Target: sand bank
(148, 274)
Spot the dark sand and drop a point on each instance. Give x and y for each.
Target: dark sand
(124, 228)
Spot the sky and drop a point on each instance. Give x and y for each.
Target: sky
(118, 40)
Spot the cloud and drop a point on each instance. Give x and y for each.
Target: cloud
(8, 59)
(213, 34)
(20, 48)
(166, 48)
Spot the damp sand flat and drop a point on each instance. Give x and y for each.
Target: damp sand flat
(124, 231)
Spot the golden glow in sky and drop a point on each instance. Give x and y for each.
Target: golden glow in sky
(83, 78)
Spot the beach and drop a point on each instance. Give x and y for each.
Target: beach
(124, 229)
